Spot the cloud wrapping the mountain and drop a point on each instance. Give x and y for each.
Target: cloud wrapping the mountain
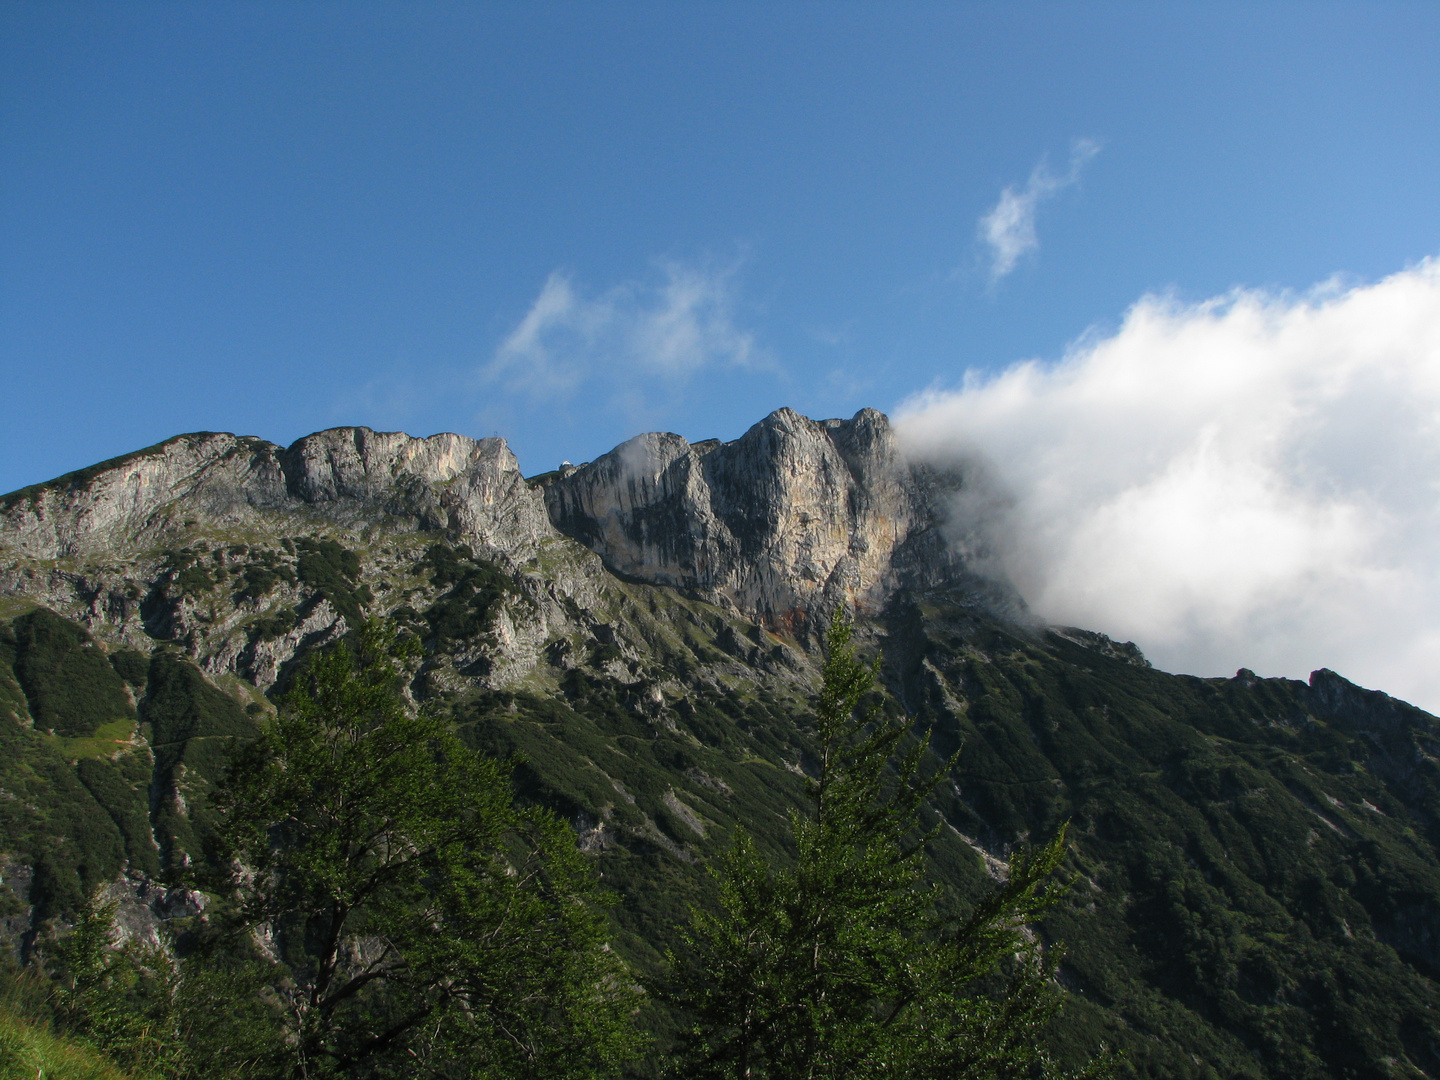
(1253, 480)
(669, 329)
(1009, 227)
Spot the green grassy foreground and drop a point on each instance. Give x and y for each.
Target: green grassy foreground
(29, 1050)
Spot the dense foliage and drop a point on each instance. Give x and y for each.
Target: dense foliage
(70, 686)
(1258, 857)
(333, 572)
(194, 729)
(423, 921)
(841, 965)
(52, 822)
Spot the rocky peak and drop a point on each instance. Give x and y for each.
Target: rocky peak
(358, 463)
(472, 487)
(142, 496)
(783, 523)
(348, 476)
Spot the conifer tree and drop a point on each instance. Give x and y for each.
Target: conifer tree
(841, 966)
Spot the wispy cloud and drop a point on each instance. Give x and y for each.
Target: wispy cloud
(667, 328)
(543, 354)
(1009, 228)
(1251, 480)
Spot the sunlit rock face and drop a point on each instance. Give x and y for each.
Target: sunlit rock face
(791, 519)
(471, 487)
(782, 526)
(346, 476)
(225, 479)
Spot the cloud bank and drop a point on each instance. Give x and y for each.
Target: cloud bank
(1009, 228)
(1253, 480)
(668, 329)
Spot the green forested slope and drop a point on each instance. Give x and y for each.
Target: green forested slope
(1259, 891)
(62, 706)
(90, 786)
(1258, 886)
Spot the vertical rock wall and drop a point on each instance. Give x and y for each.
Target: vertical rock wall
(783, 523)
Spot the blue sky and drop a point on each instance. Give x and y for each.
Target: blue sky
(275, 218)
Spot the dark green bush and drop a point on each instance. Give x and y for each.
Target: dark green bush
(125, 799)
(332, 572)
(194, 729)
(273, 626)
(476, 587)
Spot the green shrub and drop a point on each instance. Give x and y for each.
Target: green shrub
(122, 789)
(332, 572)
(194, 728)
(264, 570)
(273, 626)
(476, 588)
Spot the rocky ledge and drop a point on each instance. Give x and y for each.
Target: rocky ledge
(350, 478)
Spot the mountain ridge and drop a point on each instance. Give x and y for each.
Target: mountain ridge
(792, 515)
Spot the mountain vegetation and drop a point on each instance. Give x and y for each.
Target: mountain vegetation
(422, 920)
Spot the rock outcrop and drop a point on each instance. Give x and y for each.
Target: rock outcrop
(347, 477)
(781, 525)
(471, 487)
(784, 523)
(139, 498)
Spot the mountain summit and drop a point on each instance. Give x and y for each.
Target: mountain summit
(780, 526)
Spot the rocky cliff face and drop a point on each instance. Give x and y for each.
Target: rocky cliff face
(790, 520)
(781, 525)
(202, 540)
(159, 545)
(345, 477)
(469, 487)
(139, 498)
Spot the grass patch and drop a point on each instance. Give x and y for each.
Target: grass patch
(105, 741)
(29, 1050)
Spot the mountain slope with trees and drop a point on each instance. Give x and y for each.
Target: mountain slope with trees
(1256, 861)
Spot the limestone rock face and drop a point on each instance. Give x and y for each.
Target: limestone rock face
(358, 463)
(472, 487)
(784, 523)
(138, 497)
(346, 476)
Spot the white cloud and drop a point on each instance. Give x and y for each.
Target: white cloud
(543, 354)
(670, 328)
(1009, 228)
(1254, 480)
